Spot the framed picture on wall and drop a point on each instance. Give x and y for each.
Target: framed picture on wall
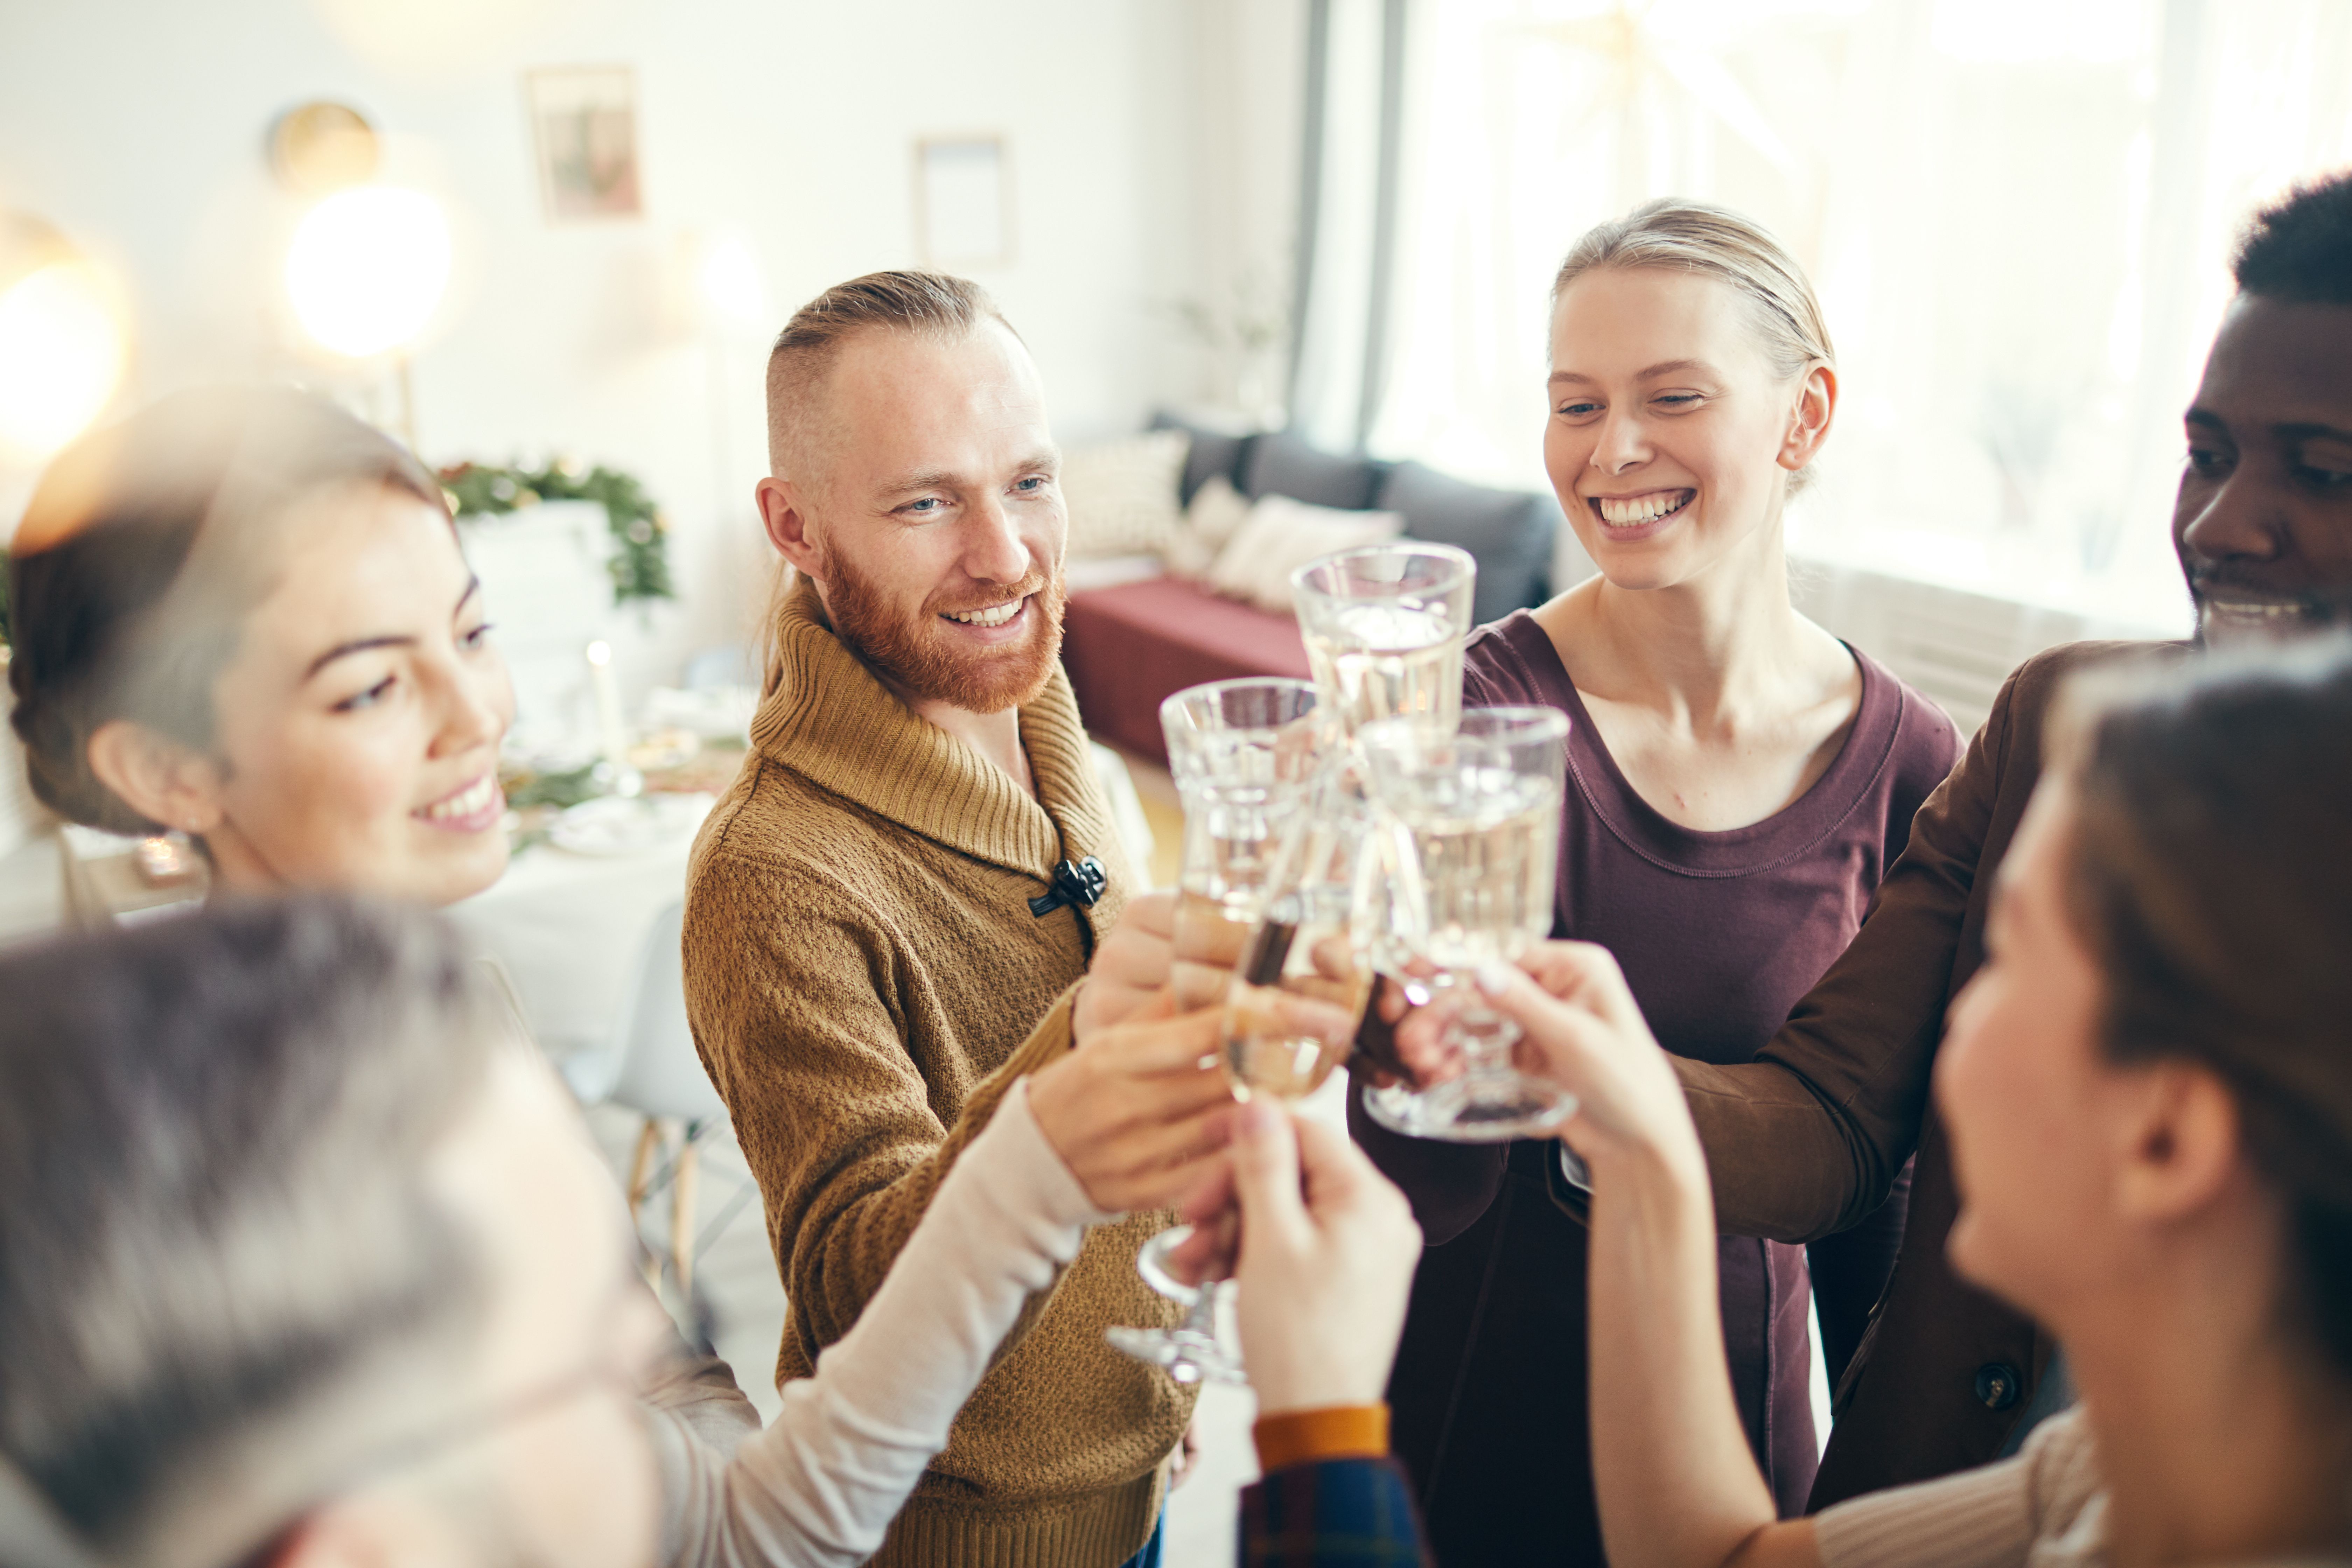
(583, 121)
(964, 202)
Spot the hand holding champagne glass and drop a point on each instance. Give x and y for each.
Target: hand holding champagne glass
(1243, 753)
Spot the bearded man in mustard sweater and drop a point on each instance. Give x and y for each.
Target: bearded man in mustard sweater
(891, 916)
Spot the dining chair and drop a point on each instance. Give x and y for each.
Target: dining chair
(652, 1068)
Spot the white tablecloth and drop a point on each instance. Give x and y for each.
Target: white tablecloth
(571, 931)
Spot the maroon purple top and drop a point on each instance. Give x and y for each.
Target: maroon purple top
(1718, 935)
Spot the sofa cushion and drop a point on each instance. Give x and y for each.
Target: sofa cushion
(1510, 531)
(1282, 535)
(1280, 463)
(1121, 495)
(1218, 512)
(1214, 452)
(1128, 649)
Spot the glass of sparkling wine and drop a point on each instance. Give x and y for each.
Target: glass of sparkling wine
(1469, 834)
(1243, 753)
(1305, 972)
(1384, 627)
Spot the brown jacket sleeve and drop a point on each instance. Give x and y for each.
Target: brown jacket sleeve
(788, 983)
(1806, 1140)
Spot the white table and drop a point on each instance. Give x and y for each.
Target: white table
(571, 929)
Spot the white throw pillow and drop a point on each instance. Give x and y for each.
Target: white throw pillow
(1121, 495)
(1281, 536)
(1217, 513)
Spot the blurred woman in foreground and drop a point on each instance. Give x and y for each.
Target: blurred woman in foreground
(2150, 1092)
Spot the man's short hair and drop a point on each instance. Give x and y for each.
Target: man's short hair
(2298, 250)
(926, 303)
(224, 1289)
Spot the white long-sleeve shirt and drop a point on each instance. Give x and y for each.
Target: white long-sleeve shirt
(820, 1486)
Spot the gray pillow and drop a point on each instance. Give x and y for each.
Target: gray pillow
(1280, 463)
(1510, 531)
(1214, 452)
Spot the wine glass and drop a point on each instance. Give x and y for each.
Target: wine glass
(1384, 626)
(1192, 1351)
(1470, 835)
(1306, 971)
(1243, 753)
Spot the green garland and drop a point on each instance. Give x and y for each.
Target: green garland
(640, 560)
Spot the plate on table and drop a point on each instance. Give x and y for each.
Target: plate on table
(624, 824)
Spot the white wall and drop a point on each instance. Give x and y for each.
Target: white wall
(1246, 109)
(137, 126)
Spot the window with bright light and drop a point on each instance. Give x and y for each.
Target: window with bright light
(2018, 214)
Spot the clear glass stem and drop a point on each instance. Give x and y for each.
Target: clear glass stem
(1200, 1316)
(1485, 1038)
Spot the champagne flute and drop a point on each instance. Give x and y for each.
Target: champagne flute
(1470, 830)
(1192, 1351)
(1306, 972)
(1243, 753)
(1384, 626)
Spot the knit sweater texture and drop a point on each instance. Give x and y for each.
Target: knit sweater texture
(865, 978)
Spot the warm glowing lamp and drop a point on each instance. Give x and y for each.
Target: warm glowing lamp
(729, 280)
(61, 342)
(367, 268)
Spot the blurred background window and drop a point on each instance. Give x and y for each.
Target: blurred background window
(2018, 214)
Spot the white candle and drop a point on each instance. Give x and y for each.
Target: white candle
(615, 737)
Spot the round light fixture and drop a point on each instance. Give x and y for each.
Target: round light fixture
(322, 146)
(366, 268)
(61, 340)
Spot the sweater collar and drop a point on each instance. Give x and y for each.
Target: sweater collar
(827, 717)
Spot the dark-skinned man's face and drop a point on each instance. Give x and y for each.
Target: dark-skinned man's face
(2263, 524)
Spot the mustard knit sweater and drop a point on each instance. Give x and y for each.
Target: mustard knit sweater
(865, 977)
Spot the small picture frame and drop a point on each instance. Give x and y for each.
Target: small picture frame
(583, 121)
(964, 203)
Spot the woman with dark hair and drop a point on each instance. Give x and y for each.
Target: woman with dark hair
(245, 615)
(2148, 1090)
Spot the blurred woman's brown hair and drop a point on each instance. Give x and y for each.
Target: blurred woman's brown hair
(143, 546)
(2212, 879)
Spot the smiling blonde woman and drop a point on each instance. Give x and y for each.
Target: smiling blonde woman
(1738, 781)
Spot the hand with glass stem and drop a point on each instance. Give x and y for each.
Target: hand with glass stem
(1137, 1105)
(1323, 1249)
(1134, 960)
(1677, 1484)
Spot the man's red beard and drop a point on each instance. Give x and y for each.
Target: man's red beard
(921, 658)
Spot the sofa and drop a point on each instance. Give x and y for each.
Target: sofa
(1130, 646)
